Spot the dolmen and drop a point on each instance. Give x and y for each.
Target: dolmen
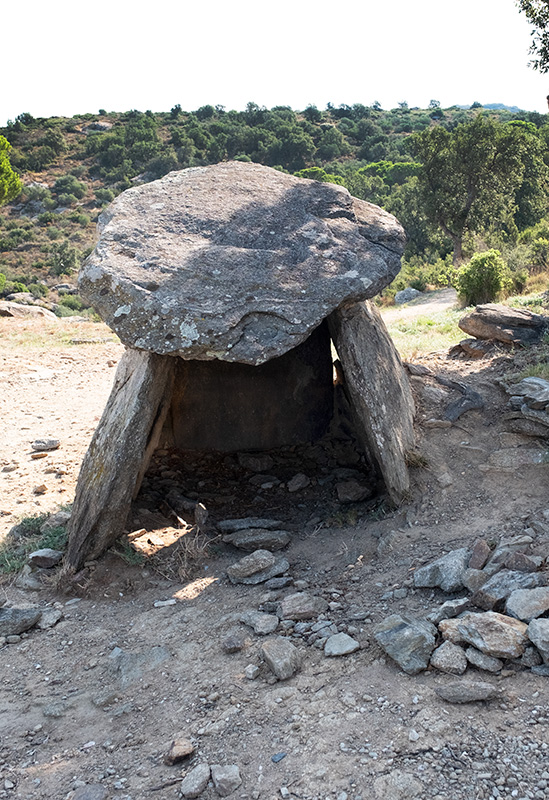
(228, 285)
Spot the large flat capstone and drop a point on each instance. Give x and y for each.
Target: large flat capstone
(235, 261)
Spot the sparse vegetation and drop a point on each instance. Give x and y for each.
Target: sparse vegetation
(25, 538)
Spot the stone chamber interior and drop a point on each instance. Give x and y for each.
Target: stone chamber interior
(276, 440)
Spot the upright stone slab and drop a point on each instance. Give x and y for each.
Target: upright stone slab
(379, 390)
(116, 459)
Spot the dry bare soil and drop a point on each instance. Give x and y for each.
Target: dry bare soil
(96, 700)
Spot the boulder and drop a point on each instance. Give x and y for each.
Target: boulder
(258, 539)
(14, 621)
(282, 658)
(405, 295)
(8, 309)
(505, 324)
(222, 262)
(502, 584)
(492, 633)
(527, 604)
(407, 641)
(446, 572)
(538, 633)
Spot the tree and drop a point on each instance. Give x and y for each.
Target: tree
(470, 177)
(537, 13)
(10, 185)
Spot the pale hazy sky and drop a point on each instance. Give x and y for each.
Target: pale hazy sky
(63, 57)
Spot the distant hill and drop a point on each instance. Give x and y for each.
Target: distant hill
(72, 168)
(494, 107)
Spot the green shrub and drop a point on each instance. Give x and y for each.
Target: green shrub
(104, 196)
(72, 301)
(38, 290)
(2, 282)
(68, 184)
(484, 279)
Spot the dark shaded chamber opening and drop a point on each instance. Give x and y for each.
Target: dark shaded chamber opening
(275, 440)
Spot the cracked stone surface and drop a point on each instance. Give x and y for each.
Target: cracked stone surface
(237, 262)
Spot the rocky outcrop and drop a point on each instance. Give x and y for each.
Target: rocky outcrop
(236, 262)
(504, 324)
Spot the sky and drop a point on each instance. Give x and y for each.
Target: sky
(63, 58)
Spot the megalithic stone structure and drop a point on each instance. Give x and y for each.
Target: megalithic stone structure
(245, 268)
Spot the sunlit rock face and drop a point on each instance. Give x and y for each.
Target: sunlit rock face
(236, 262)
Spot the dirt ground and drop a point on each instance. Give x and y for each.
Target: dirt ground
(89, 707)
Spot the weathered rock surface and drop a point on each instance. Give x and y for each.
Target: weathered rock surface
(110, 475)
(261, 623)
(258, 539)
(194, 783)
(225, 778)
(527, 604)
(446, 572)
(233, 525)
(17, 620)
(340, 644)
(352, 491)
(301, 605)
(467, 691)
(449, 658)
(256, 568)
(93, 791)
(505, 324)
(502, 584)
(534, 391)
(449, 609)
(8, 309)
(379, 390)
(235, 261)
(180, 748)
(480, 554)
(482, 661)
(282, 658)
(407, 641)
(538, 633)
(492, 633)
(46, 558)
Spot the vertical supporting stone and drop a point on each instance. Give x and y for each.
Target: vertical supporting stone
(379, 390)
(115, 463)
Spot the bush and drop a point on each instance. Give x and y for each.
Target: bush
(38, 290)
(2, 282)
(484, 279)
(69, 185)
(104, 196)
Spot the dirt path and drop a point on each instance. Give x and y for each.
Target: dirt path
(88, 708)
(428, 303)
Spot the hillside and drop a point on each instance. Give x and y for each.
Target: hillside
(71, 168)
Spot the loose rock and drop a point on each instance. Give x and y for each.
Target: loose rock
(258, 539)
(340, 644)
(256, 568)
(501, 585)
(299, 481)
(450, 658)
(179, 749)
(262, 624)
(225, 779)
(45, 558)
(194, 783)
(232, 525)
(482, 661)
(282, 658)
(446, 572)
(408, 641)
(301, 605)
(14, 621)
(492, 633)
(527, 604)
(538, 633)
(466, 691)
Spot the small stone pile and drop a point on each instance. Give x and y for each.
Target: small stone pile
(529, 406)
(299, 615)
(503, 618)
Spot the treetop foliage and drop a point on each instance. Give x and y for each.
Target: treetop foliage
(537, 13)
